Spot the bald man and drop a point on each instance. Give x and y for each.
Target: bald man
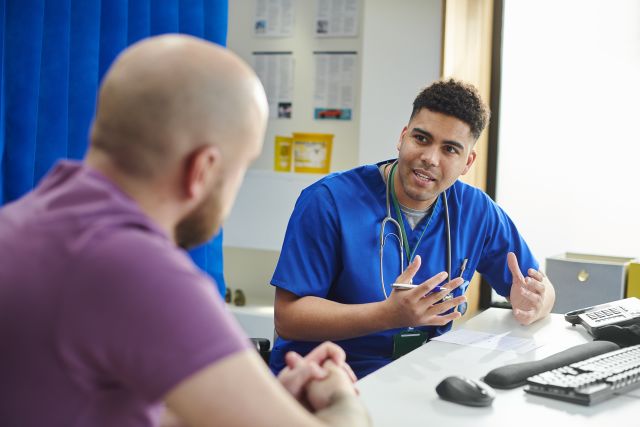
(103, 317)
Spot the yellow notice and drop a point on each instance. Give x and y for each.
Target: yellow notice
(282, 156)
(312, 152)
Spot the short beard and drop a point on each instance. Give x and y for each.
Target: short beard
(201, 224)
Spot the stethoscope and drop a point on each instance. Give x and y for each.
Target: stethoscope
(389, 219)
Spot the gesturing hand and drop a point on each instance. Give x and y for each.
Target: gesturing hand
(527, 294)
(417, 307)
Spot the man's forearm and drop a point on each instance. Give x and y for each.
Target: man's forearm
(318, 319)
(345, 410)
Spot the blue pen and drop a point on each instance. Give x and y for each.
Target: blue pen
(437, 289)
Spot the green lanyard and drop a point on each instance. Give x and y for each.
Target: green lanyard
(396, 205)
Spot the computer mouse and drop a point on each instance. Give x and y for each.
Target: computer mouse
(465, 391)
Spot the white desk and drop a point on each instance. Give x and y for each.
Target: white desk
(403, 392)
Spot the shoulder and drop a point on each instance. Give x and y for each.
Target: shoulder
(345, 187)
(131, 262)
(345, 180)
(463, 194)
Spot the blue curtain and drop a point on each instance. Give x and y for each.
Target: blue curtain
(54, 54)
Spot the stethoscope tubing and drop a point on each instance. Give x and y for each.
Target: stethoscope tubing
(389, 219)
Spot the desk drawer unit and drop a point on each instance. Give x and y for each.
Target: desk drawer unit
(583, 280)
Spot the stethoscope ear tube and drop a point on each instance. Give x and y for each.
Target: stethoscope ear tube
(448, 231)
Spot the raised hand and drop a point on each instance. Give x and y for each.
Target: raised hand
(527, 293)
(418, 307)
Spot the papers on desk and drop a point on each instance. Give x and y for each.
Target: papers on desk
(501, 342)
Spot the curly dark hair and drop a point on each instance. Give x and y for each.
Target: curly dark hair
(454, 98)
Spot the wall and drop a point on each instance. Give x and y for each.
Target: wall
(241, 40)
(399, 52)
(569, 147)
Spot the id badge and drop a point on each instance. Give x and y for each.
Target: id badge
(406, 341)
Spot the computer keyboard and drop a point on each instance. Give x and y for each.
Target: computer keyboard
(592, 380)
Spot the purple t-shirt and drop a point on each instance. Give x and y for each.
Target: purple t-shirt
(100, 313)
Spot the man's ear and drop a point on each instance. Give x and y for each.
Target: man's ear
(470, 159)
(402, 134)
(202, 166)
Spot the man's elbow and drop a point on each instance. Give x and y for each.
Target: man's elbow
(282, 326)
(284, 314)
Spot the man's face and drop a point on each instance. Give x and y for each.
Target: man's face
(207, 217)
(434, 150)
(203, 222)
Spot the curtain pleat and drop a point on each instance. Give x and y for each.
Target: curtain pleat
(84, 49)
(52, 126)
(23, 45)
(53, 54)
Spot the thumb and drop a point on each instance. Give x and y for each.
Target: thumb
(291, 359)
(412, 269)
(512, 262)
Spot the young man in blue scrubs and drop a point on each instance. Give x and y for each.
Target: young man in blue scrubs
(334, 278)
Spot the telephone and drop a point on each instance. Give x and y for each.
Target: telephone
(623, 312)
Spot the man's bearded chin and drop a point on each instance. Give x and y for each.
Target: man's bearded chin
(200, 225)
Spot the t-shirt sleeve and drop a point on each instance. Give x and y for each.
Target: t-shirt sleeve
(309, 260)
(140, 315)
(502, 237)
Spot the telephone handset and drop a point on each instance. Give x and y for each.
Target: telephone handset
(623, 312)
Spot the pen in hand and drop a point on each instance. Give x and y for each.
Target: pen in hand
(407, 286)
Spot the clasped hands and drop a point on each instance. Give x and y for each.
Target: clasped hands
(316, 379)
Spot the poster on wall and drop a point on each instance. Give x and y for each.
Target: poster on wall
(275, 70)
(274, 18)
(334, 85)
(336, 18)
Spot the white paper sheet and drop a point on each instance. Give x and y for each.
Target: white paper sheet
(335, 81)
(336, 18)
(275, 70)
(273, 18)
(501, 342)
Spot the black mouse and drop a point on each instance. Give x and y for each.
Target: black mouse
(465, 391)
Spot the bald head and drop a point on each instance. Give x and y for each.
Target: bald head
(166, 96)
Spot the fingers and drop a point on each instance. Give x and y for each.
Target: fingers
(534, 285)
(532, 297)
(350, 373)
(536, 274)
(412, 269)
(327, 350)
(296, 379)
(524, 317)
(425, 287)
(512, 262)
(330, 352)
(443, 320)
(291, 359)
(297, 363)
(433, 297)
(330, 366)
(445, 306)
(303, 366)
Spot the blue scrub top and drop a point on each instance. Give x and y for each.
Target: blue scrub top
(331, 250)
